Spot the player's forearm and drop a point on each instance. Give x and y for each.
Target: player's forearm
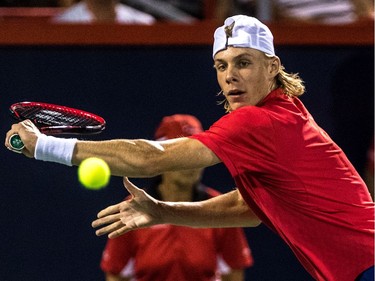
(131, 158)
(144, 158)
(227, 210)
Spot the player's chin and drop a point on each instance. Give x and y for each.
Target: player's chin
(237, 105)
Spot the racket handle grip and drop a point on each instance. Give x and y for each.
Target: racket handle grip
(16, 142)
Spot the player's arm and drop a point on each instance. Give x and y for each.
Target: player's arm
(226, 210)
(145, 158)
(132, 158)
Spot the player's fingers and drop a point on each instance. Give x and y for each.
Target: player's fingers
(105, 220)
(122, 230)
(19, 129)
(130, 186)
(109, 211)
(109, 228)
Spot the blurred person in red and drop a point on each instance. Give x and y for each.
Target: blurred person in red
(168, 252)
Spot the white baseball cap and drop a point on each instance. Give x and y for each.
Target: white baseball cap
(243, 31)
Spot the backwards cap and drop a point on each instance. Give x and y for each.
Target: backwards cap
(178, 125)
(243, 31)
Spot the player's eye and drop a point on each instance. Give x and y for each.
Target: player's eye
(220, 67)
(243, 63)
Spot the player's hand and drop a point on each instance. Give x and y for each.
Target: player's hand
(28, 133)
(140, 211)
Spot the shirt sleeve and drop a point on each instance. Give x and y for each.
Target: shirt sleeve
(243, 140)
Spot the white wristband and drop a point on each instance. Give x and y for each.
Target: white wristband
(53, 149)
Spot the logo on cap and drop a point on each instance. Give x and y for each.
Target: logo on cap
(228, 31)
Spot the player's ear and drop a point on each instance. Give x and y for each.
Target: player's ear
(274, 66)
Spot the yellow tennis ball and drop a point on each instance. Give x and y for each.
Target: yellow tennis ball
(94, 173)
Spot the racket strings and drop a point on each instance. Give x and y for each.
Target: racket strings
(66, 117)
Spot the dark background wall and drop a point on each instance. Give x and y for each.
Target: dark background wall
(45, 214)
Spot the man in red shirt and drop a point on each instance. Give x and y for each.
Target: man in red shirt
(169, 252)
(289, 173)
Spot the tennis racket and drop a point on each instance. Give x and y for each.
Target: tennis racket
(52, 119)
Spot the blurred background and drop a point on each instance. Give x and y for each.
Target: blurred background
(133, 69)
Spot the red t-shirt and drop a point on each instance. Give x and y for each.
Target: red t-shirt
(171, 253)
(299, 183)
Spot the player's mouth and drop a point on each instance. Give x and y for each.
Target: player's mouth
(235, 93)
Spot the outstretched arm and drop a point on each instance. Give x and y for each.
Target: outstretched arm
(131, 158)
(226, 210)
(146, 158)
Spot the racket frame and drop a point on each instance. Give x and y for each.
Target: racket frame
(16, 111)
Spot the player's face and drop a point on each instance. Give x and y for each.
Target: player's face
(245, 75)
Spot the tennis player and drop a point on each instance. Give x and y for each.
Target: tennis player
(290, 174)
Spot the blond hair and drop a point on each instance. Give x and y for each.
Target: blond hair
(291, 83)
